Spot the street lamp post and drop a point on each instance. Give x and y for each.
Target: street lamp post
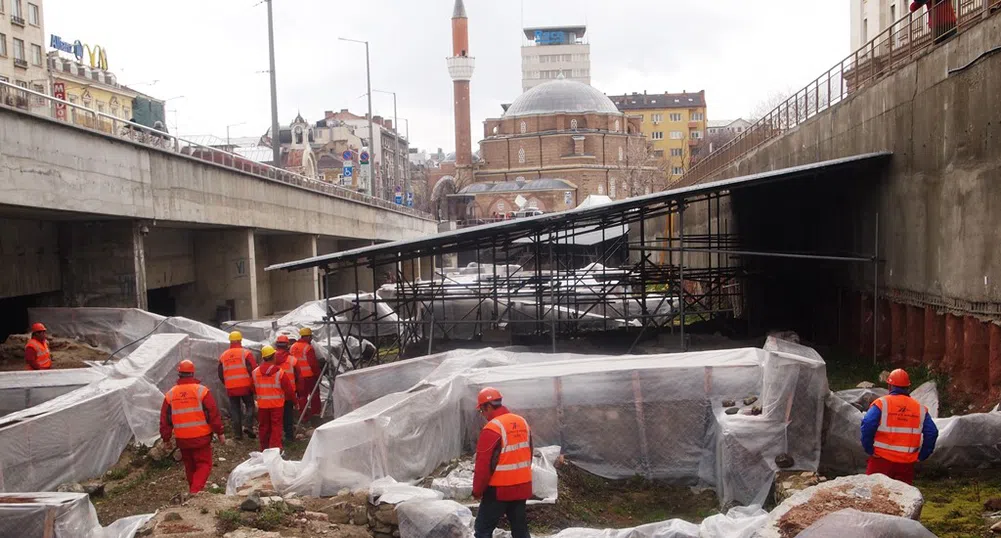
(232, 125)
(276, 145)
(177, 130)
(368, 81)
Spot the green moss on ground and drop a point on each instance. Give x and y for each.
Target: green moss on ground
(954, 502)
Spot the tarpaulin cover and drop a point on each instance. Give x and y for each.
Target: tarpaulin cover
(458, 484)
(437, 519)
(79, 435)
(24, 389)
(616, 417)
(60, 515)
(856, 524)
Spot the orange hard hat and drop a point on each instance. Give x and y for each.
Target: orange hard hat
(487, 395)
(37, 328)
(282, 339)
(899, 378)
(186, 367)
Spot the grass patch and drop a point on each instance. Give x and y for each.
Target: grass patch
(954, 503)
(228, 520)
(273, 516)
(117, 473)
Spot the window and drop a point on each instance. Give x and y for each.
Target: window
(676, 116)
(3, 44)
(657, 135)
(521, 155)
(126, 113)
(36, 54)
(18, 49)
(677, 135)
(657, 118)
(611, 188)
(865, 30)
(698, 116)
(573, 125)
(622, 154)
(677, 152)
(17, 9)
(677, 170)
(38, 88)
(100, 106)
(893, 13)
(617, 125)
(523, 128)
(33, 18)
(658, 153)
(1, 6)
(695, 135)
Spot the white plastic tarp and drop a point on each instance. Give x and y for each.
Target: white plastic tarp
(24, 389)
(457, 485)
(856, 524)
(60, 515)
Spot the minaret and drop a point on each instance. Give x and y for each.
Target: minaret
(460, 67)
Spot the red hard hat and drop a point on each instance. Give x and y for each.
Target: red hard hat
(487, 395)
(282, 339)
(186, 367)
(37, 328)
(899, 378)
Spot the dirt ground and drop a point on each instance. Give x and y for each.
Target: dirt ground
(66, 353)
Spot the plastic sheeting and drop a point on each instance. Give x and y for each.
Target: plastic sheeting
(458, 484)
(655, 415)
(856, 524)
(434, 519)
(79, 435)
(21, 390)
(60, 515)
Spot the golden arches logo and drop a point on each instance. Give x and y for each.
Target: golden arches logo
(97, 56)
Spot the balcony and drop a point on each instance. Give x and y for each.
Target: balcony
(694, 125)
(20, 62)
(17, 21)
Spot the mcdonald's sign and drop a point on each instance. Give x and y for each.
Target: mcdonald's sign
(97, 56)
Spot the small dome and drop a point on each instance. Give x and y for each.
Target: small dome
(561, 96)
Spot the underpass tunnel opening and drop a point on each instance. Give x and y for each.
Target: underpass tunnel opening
(14, 318)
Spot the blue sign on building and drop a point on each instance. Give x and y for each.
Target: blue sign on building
(58, 44)
(543, 37)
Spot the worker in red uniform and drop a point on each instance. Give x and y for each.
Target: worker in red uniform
(272, 388)
(36, 352)
(941, 16)
(502, 476)
(287, 363)
(897, 431)
(189, 412)
(309, 372)
(235, 365)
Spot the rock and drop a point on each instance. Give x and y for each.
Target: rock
(865, 385)
(344, 492)
(274, 499)
(315, 516)
(396, 533)
(359, 498)
(807, 474)
(290, 495)
(750, 400)
(70, 487)
(222, 458)
(386, 513)
(756, 410)
(996, 528)
(787, 485)
(252, 503)
(251, 533)
(172, 516)
(337, 512)
(867, 493)
(993, 504)
(728, 403)
(883, 376)
(94, 488)
(294, 504)
(784, 461)
(732, 411)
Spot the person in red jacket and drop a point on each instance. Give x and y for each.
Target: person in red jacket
(235, 365)
(502, 476)
(309, 372)
(941, 16)
(189, 413)
(272, 388)
(36, 352)
(287, 362)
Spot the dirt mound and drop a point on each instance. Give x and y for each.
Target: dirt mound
(66, 353)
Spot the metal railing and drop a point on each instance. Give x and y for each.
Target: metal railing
(892, 49)
(38, 104)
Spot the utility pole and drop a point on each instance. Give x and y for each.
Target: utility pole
(276, 144)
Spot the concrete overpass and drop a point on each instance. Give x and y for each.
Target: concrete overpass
(89, 218)
(932, 217)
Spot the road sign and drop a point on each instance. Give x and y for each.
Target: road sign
(364, 157)
(347, 155)
(410, 199)
(398, 198)
(348, 171)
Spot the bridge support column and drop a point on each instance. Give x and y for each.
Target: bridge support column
(225, 277)
(103, 264)
(289, 289)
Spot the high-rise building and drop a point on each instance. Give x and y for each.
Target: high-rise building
(675, 124)
(22, 48)
(553, 51)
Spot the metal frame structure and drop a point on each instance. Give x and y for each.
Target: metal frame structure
(544, 293)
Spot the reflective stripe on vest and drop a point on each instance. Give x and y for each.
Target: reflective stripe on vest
(514, 466)
(234, 368)
(42, 356)
(298, 351)
(268, 389)
(898, 436)
(186, 412)
(289, 366)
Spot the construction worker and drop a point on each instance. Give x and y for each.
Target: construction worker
(287, 363)
(272, 388)
(502, 476)
(897, 431)
(235, 365)
(309, 371)
(36, 352)
(189, 412)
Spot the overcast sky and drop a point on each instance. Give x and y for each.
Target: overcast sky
(214, 53)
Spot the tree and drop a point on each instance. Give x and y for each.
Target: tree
(641, 171)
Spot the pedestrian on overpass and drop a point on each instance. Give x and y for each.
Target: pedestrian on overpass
(235, 365)
(287, 363)
(897, 431)
(272, 388)
(189, 413)
(309, 372)
(502, 476)
(36, 352)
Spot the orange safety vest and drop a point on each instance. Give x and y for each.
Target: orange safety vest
(289, 366)
(186, 412)
(42, 356)
(268, 389)
(298, 351)
(898, 437)
(234, 368)
(515, 463)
